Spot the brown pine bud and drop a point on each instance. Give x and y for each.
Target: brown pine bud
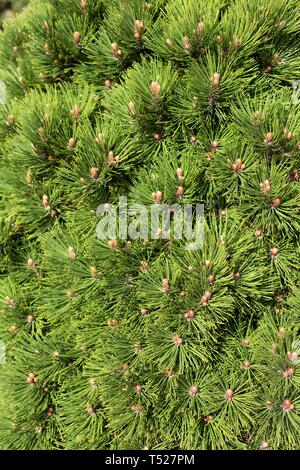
(238, 166)
(76, 37)
(56, 354)
(256, 116)
(194, 139)
(207, 418)
(289, 135)
(186, 43)
(288, 373)
(211, 278)
(237, 276)
(268, 138)
(138, 388)
(165, 285)
(169, 373)
(215, 80)
(46, 25)
(169, 42)
(112, 324)
(229, 395)
(214, 145)
(137, 409)
(113, 243)
(270, 405)
(274, 252)
(75, 112)
(71, 252)
(13, 329)
(183, 293)
(265, 186)
(287, 406)
(208, 263)
(193, 391)
(132, 108)
(246, 342)
(259, 234)
(157, 196)
(46, 48)
(267, 69)
(276, 202)
(190, 269)
(177, 340)
(264, 445)
(71, 143)
(94, 173)
(190, 315)
(218, 39)
(206, 298)
(294, 175)
(91, 410)
(157, 136)
(143, 266)
(107, 84)
(138, 27)
(30, 318)
(155, 89)
(32, 379)
(93, 382)
(112, 159)
(180, 191)
(292, 356)
(50, 411)
(10, 120)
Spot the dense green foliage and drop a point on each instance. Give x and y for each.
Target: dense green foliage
(145, 344)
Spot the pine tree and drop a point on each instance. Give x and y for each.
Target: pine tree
(134, 344)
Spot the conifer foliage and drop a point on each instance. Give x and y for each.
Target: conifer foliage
(143, 344)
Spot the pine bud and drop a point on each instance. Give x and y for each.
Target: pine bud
(190, 269)
(193, 391)
(32, 379)
(228, 395)
(56, 354)
(183, 293)
(215, 80)
(294, 175)
(288, 373)
(265, 186)
(169, 42)
(93, 382)
(282, 331)
(169, 373)
(165, 285)
(259, 234)
(93, 271)
(200, 28)
(112, 159)
(246, 342)
(157, 196)
(214, 145)
(238, 166)
(292, 356)
(155, 89)
(71, 294)
(276, 202)
(138, 27)
(13, 329)
(112, 324)
(113, 243)
(137, 409)
(186, 43)
(264, 445)
(246, 365)
(50, 411)
(94, 173)
(207, 418)
(117, 53)
(206, 298)
(76, 37)
(138, 388)
(194, 139)
(30, 318)
(157, 136)
(190, 315)
(143, 266)
(267, 69)
(180, 191)
(274, 252)
(91, 410)
(179, 174)
(10, 120)
(256, 116)
(287, 406)
(218, 39)
(75, 112)
(46, 48)
(83, 4)
(143, 311)
(30, 263)
(268, 138)
(107, 84)
(46, 25)
(71, 142)
(270, 405)
(237, 276)
(278, 297)
(177, 340)
(211, 278)
(132, 108)
(71, 252)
